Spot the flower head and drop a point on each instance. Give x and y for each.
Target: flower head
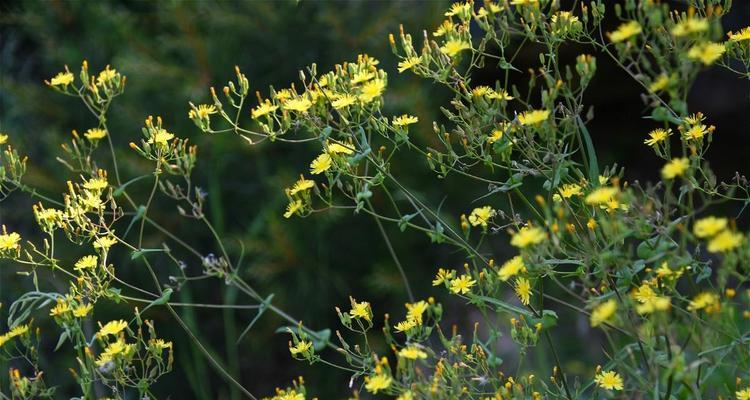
(378, 382)
(454, 46)
(263, 109)
(609, 380)
(603, 312)
(511, 268)
(343, 101)
(87, 262)
(527, 236)
(743, 34)
(361, 310)
(161, 137)
(9, 241)
(301, 185)
(523, 290)
(302, 347)
(625, 31)
(707, 52)
(408, 63)
(709, 226)
(95, 134)
(481, 216)
(725, 241)
(320, 164)
(299, 104)
(675, 167)
(462, 284)
(533, 117)
(412, 353)
(657, 136)
(292, 208)
(112, 328)
(405, 120)
(62, 79)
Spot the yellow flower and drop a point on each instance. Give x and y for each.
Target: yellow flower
(660, 83)
(656, 303)
(414, 311)
(302, 347)
(644, 293)
(161, 137)
(407, 395)
(408, 63)
(202, 111)
(338, 148)
(62, 79)
(462, 284)
(454, 46)
(696, 132)
(524, 2)
(602, 195)
(82, 311)
(445, 27)
(523, 290)
(725, 241)
(528, 235)
(603, 312)
(511, 268)
(657, 135)
(104, 242)
(496, 135)
(443, 275)
(106, 75)
(674, 168)
(60, 308)
(481, 215)
(292, 208)
(709, 226)
(301, 185)
(707, 52)
(363, 76)
(95, 134)
(114, 349)
(501, 94)
(412, 353)
(690, 26)
(321, 164)
(376, 383)
(625, 31)
(745, 393)
(15, 332)
(705, 300)
(9, 241)
(405, 120)
(264, 108)
(533, 117)
(86, 262)
(743, 34)
(404, 326)
(96, 184)
(371, 90)
(568, 191)
(343, 101)
(299, 104)
(610, 380)
(112, 328)
(3, 138)
(361, 310)
(458, 9)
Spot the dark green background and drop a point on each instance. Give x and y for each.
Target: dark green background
(172, 51)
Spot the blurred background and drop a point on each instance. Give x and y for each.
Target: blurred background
(172, 51)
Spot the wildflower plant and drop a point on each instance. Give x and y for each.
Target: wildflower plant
(657, 272)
